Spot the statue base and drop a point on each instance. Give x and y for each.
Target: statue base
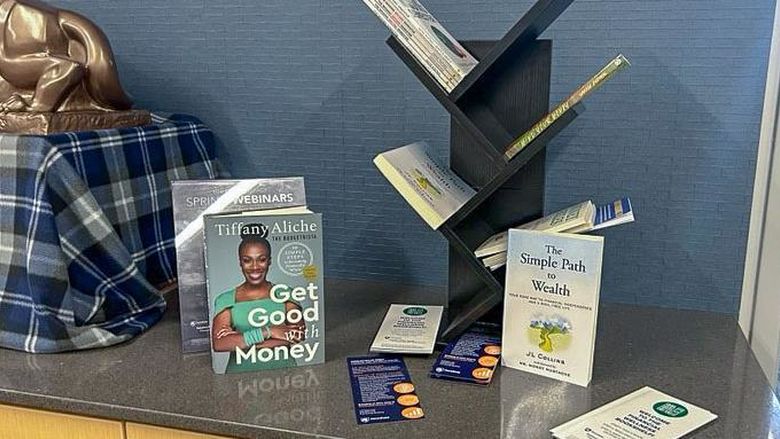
(27, 122)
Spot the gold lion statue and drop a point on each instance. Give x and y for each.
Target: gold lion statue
(54, 61)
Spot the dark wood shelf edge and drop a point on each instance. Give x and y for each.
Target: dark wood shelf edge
(514, 165)
(483, 272)
(531, 25)
(444, 99)
(482, 302)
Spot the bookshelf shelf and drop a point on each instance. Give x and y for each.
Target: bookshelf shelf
(541, 15)
(455, 111)
(501, 98)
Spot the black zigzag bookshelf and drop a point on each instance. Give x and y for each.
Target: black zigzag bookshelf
(500, 98)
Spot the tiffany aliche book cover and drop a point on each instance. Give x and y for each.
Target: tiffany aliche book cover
(265, 289)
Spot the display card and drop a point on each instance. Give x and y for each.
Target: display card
(408, 329)
(472, 357)
(645, 413)
(382, 390)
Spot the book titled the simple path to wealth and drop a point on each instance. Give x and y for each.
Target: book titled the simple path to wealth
(551, 304)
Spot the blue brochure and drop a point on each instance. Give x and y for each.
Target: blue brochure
(382, 390)
(472, 357)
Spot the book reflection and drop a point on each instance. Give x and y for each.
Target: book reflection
(282, 397)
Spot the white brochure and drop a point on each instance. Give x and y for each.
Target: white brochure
(408, 329)
(646, 413)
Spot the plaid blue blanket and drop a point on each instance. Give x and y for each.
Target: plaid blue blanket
(86, 230)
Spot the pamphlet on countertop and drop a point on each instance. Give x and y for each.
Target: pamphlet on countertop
(408, 329)
(382, 390)
(645, 413)
(472, 357)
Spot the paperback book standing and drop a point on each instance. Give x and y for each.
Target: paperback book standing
(551, 304)
(265, 289)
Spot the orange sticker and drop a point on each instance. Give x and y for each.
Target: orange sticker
(408, 400)
(487, 361)
(412, 413)
(482, 373)
(493, 350)
(404, 388)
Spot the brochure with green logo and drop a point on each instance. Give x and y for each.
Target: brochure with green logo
(646, 413)
(408, 329)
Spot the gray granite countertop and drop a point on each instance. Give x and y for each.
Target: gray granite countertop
(698, 357)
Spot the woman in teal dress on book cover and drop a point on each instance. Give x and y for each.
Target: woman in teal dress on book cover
(233, 310)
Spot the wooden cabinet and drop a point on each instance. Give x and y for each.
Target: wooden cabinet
(23, 423)
(140, 431)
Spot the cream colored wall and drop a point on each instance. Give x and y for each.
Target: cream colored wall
(760, 302)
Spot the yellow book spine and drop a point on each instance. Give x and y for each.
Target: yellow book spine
(614, 66)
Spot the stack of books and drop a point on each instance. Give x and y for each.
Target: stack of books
(442, 57)
(580, 218)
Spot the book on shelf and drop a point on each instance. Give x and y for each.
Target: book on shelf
(265, 289)
(613, 214)
(579, 218)
(618, 63)
(573, 218)
(433, 190)
(495, 261)
(440, 55)
(192, 199)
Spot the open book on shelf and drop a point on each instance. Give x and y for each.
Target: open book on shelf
(617, 64)
(442, 57)
(433, 190)
(579, 218)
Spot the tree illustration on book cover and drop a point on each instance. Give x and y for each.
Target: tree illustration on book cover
(425, 183)
(545, 328)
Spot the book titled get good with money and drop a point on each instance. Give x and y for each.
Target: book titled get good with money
(265, 289)
(645, 413)
(191, 200)
(433, 190)
(551, 304)
(408, 329)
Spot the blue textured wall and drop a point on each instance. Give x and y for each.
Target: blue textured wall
(309, 88)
